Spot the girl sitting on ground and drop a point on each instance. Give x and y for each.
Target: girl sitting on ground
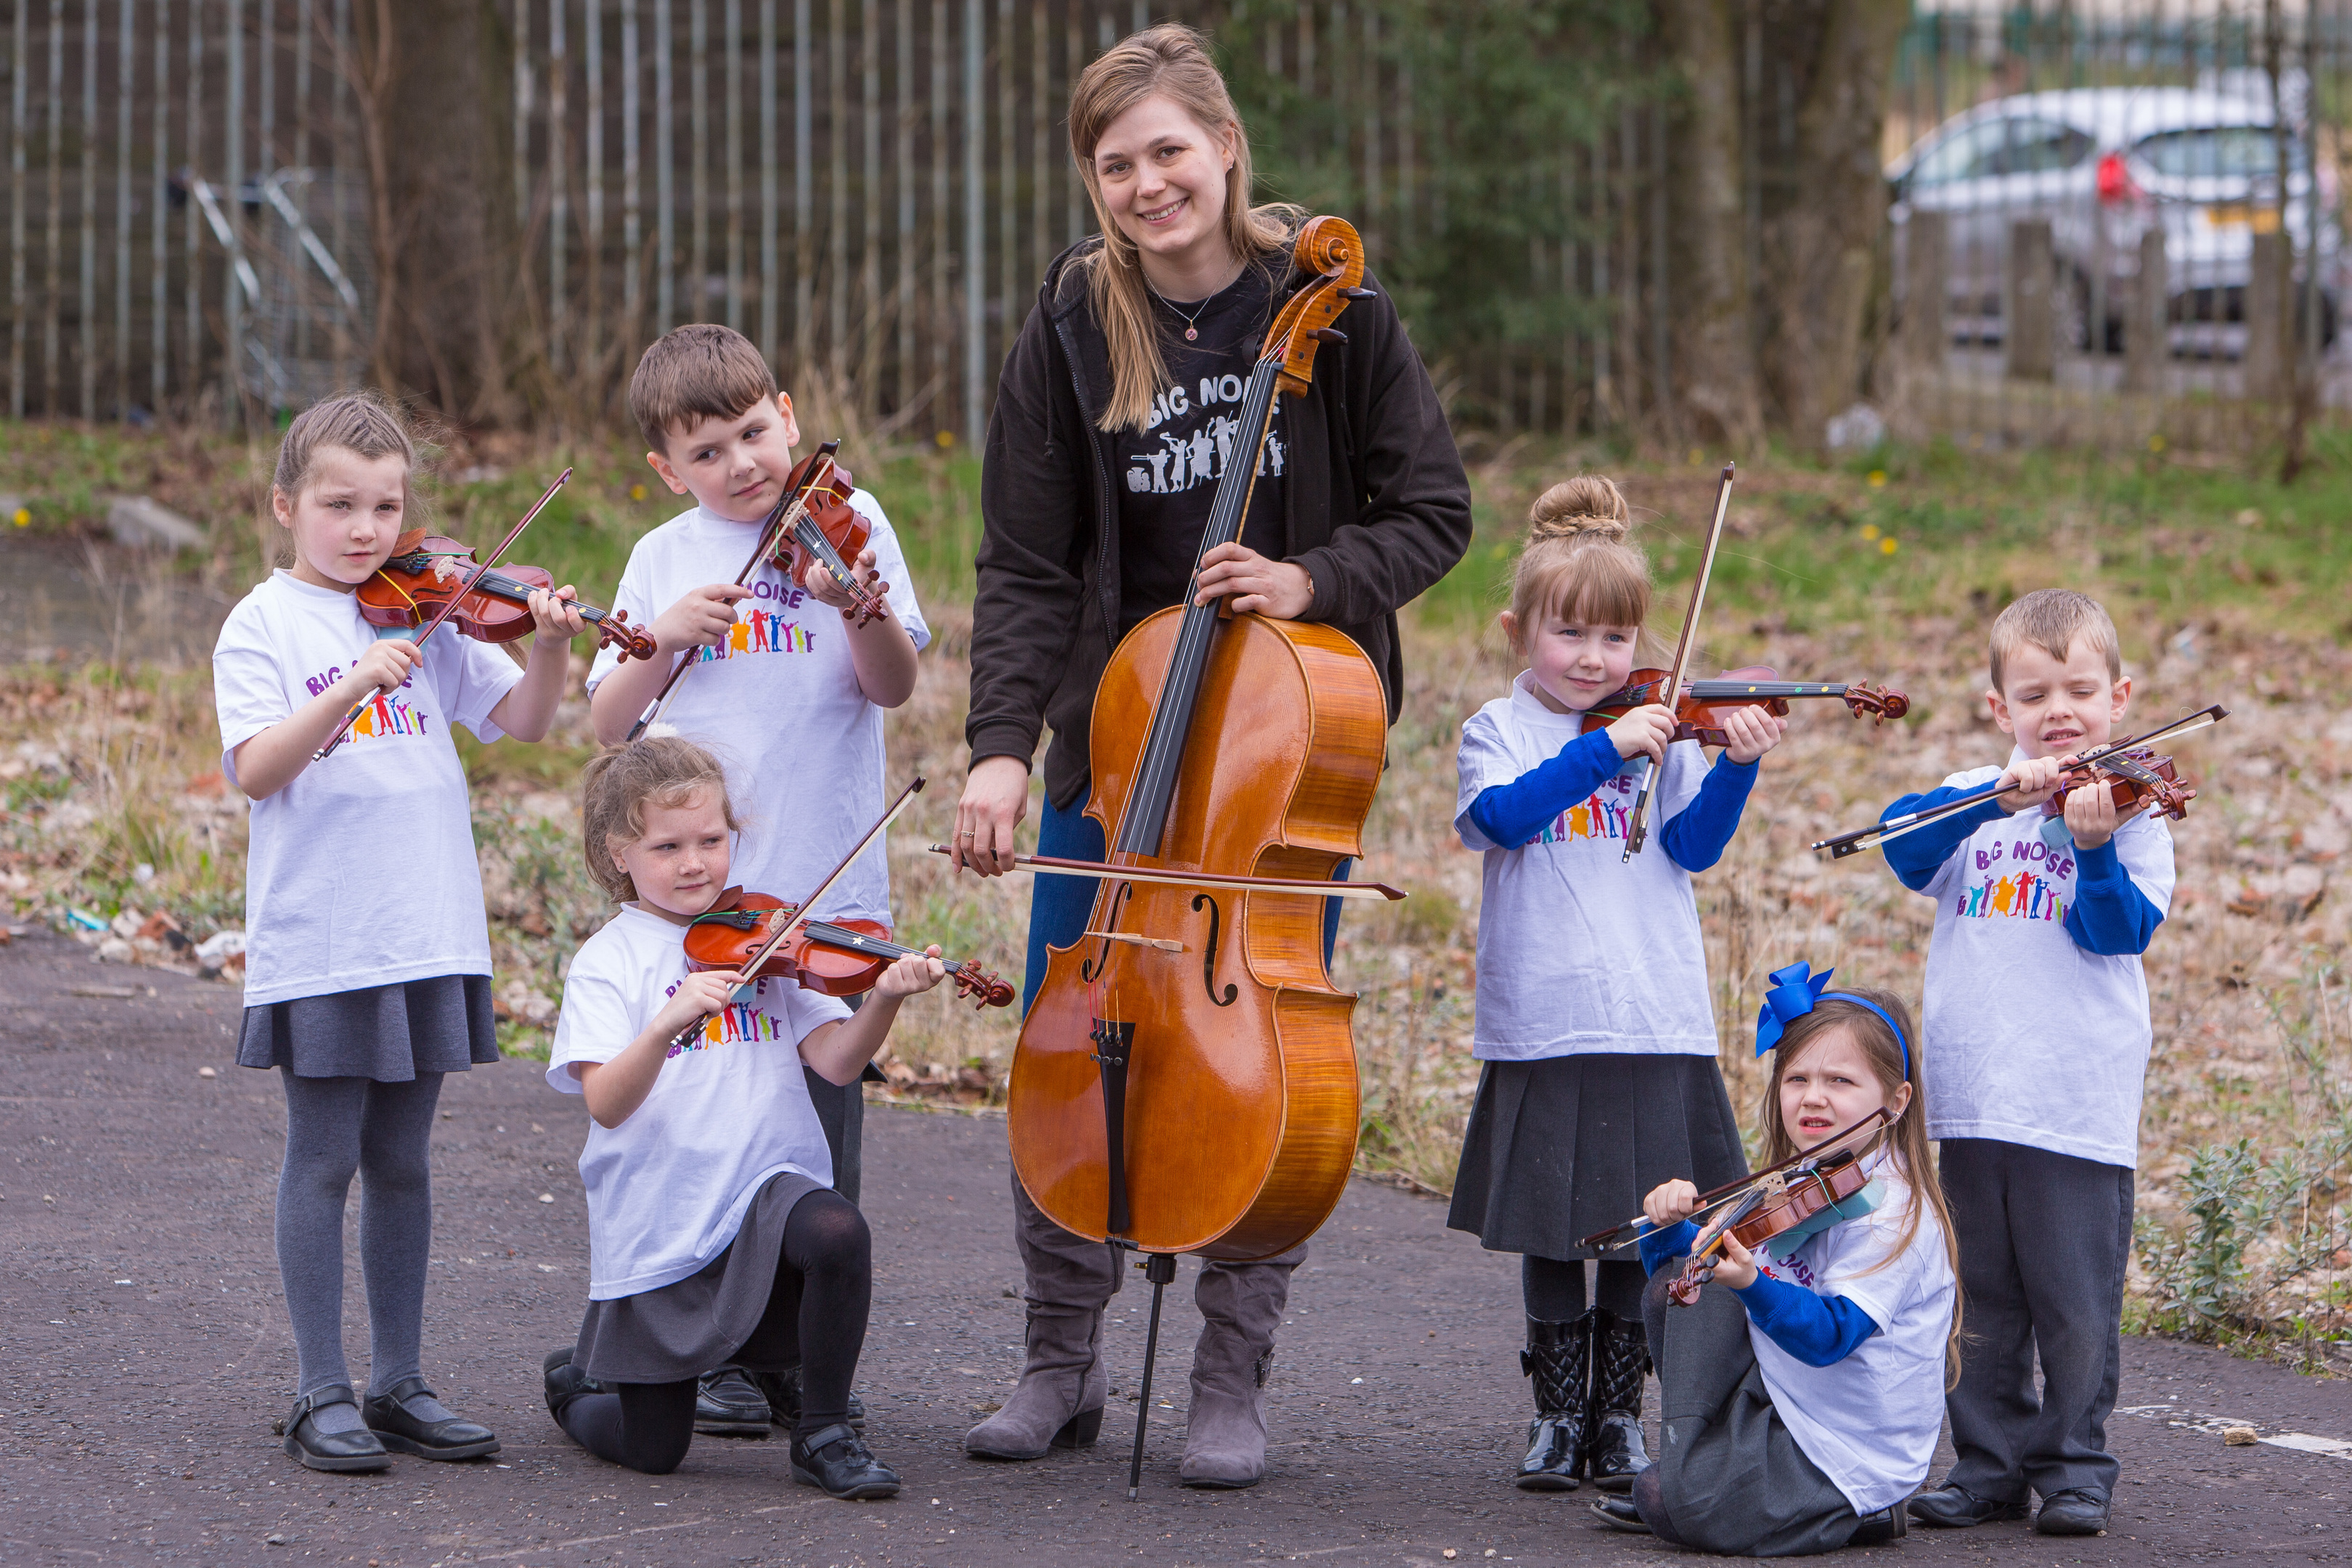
(1802, 1394)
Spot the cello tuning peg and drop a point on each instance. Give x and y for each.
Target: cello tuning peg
(1327, 335)
(1359, 293)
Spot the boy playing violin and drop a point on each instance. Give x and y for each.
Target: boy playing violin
(2036, 1039)
(787, 693)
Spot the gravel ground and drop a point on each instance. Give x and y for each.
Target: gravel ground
(147, 1353)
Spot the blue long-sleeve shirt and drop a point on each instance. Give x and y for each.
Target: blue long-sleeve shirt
(2110, 916)
(1820, 1331)
(1694, 838)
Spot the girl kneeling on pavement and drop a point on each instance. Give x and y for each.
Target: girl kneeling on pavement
(1800, 1397)
(713, 1237)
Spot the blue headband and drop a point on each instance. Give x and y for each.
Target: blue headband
(1793, 992)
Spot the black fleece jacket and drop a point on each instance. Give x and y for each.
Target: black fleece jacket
(1377, 508)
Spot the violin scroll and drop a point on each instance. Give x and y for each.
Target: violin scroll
(1875, 703)
(986, 988)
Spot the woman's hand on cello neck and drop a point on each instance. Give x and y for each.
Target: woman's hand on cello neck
(988, 817)
(1278, 590)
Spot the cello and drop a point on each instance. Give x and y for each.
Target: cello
(1185, 1080)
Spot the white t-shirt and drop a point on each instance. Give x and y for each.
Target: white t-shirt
(1869, 1422)
(780, 703)
(669, 1187)
(1580, 952)
(2026, 1037)
(360, 871)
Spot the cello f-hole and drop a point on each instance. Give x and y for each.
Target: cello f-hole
(1209, 956)
(1092, 969)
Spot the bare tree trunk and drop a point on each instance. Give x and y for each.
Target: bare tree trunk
(436, 102)
(1818, 248)
(1714, 346)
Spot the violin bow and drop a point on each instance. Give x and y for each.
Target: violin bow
(1732, 1191)
(1054, 865)
(1637, 826)
(789, 508)
(433, 626)
(2109, 758)
(801, 915)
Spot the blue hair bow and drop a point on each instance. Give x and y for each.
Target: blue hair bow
(1793, 994)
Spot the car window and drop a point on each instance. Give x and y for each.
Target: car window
(2222, 152)
(1967, 154)
(2043, 146)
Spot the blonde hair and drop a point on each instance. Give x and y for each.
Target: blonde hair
(365, 424)
(620, 782)
(701, 370)
(1174, 62)
(2051, 619)
(1894, 1063)
(1577, 560)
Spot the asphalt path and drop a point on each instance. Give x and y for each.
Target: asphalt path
(145, 1350)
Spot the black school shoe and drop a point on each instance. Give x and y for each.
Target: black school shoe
(838, 1459)
(1619, 1513)
(1880, 1529)
(727, 1406)
(333, 1451)
(783, 1392)
(1953, 1507)
(564, 1383)
(2074, 1511)
(387, 1415)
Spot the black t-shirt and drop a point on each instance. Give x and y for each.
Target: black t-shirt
(1169, 470)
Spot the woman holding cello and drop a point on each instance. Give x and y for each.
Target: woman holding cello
(1136, 383)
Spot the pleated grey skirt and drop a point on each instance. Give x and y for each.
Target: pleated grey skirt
(1561, 1148)
(392, 1034)
(707, 1319)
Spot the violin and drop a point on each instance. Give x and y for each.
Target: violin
(832, 958)
(1698, 714)
(827, 531)
(427, 572)
(2133, 779)
(1775, 1205)
(2133, 773)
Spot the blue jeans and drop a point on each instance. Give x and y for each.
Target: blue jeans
(1058, 906)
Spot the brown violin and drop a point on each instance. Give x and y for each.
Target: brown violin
(1698, 714)
(2133, 779)
(1777, 1205)
(833, 958)
(427, 572)
(827, 531)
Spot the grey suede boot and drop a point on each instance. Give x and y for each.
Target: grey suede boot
(1241, 1305)
(1058, 1403)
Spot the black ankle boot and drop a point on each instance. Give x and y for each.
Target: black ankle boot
(1559, 1357)
(1620, 1354)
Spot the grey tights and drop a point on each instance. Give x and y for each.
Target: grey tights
(335, 1126)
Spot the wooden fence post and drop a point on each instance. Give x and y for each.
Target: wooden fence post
(2266, 356)
(2147, 341)
(2029, 333)
(1927, 264)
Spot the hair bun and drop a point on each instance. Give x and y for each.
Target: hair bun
(1589, 504)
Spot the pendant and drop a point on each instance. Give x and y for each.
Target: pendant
(1191, 334)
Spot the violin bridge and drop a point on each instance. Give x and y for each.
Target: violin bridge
(1134, 940)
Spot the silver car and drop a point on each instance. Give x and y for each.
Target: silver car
(2103, 164)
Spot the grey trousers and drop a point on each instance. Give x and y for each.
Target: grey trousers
(841, 1112)
(1729, 1477)
(2044, 1239)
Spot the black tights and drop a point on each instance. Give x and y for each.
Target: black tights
(1554, 1288)
(817, 1316)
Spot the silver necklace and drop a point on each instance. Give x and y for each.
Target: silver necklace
(1191, 333)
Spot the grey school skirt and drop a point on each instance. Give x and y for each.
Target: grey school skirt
(1563, 1147)
(707, 1319)
(392, 1033)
